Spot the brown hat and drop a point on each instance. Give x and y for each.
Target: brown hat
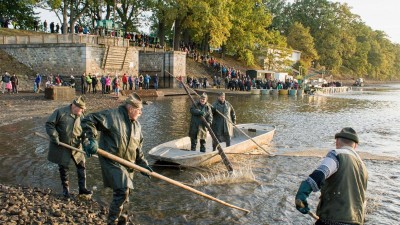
(204, 95)
(348, 133)
(134, 100)
(80, 102)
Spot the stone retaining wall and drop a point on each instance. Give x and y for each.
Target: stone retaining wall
(76, 58)
(167, 65)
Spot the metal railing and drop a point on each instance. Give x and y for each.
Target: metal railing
(64, 39)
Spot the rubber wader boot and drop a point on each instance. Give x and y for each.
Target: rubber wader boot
(193, 144)
(82, 181)
(64, 180)
(123, 220)
(228, 141)
(202, 145)
(120, 196)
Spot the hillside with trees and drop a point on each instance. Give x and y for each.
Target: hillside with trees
(330, 37)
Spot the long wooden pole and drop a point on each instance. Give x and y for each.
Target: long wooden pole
(240, 130)
(221, 152)
(153, 174)
(63, 144)
(234, 125)
(300, 204)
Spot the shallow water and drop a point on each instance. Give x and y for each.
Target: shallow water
(306, 123)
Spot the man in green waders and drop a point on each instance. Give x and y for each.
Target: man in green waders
(222, 125)
(342, 179)
(64, 125)
(197, 127)
(121, 135)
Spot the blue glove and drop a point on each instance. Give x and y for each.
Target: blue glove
(90, 147)
(148, 168)
(202, 113)
(301, 197)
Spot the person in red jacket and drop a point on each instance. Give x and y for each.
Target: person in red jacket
(124, 82)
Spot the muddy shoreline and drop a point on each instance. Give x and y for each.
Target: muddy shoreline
(27, 205)
(32, 205)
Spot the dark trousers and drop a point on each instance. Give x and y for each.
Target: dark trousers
(321, 222)
(222, 138)
(14, 87)
(94, 89)
(81, 171)
(194, 143)
(120, 196)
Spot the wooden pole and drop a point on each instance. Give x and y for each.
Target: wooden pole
(234, 125)
(221, 152)
(153, 174)
(63, 144)
(300, 204)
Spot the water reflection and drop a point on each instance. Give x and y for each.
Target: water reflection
(303, 123)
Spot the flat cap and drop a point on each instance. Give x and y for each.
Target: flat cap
(80, 102)
(204, 95)
(134, 100)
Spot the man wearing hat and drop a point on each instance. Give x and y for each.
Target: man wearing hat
(64, 125)
(121, 135)
(197, 126)
(224, 118)
(342, 179)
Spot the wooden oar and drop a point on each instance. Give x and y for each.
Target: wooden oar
(153, 174)
(221, 152)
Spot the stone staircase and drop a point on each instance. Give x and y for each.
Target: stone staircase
(115, 58)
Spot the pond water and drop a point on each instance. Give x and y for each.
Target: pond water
(304, 124)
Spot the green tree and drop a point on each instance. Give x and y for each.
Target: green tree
(70, 10)
(209, 24)
(21, 12)
(249, 34)
(299, 38)
(163, 17)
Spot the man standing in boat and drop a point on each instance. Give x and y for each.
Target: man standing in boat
(224, 118)
(197, 126)
(342, 179)
(64, 125)
(121, 135)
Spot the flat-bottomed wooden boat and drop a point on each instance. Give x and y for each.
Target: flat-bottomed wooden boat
(178, 151)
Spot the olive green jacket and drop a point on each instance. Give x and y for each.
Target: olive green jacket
(120, 136)
(197, 127)
(220, 125)
(64, 126)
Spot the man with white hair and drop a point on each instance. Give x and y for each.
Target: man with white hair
(121, 135)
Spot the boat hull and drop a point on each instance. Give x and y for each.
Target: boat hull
(178, 151)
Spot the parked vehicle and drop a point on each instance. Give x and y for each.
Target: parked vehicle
(359, 82)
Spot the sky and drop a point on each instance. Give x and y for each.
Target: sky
(381, 15)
